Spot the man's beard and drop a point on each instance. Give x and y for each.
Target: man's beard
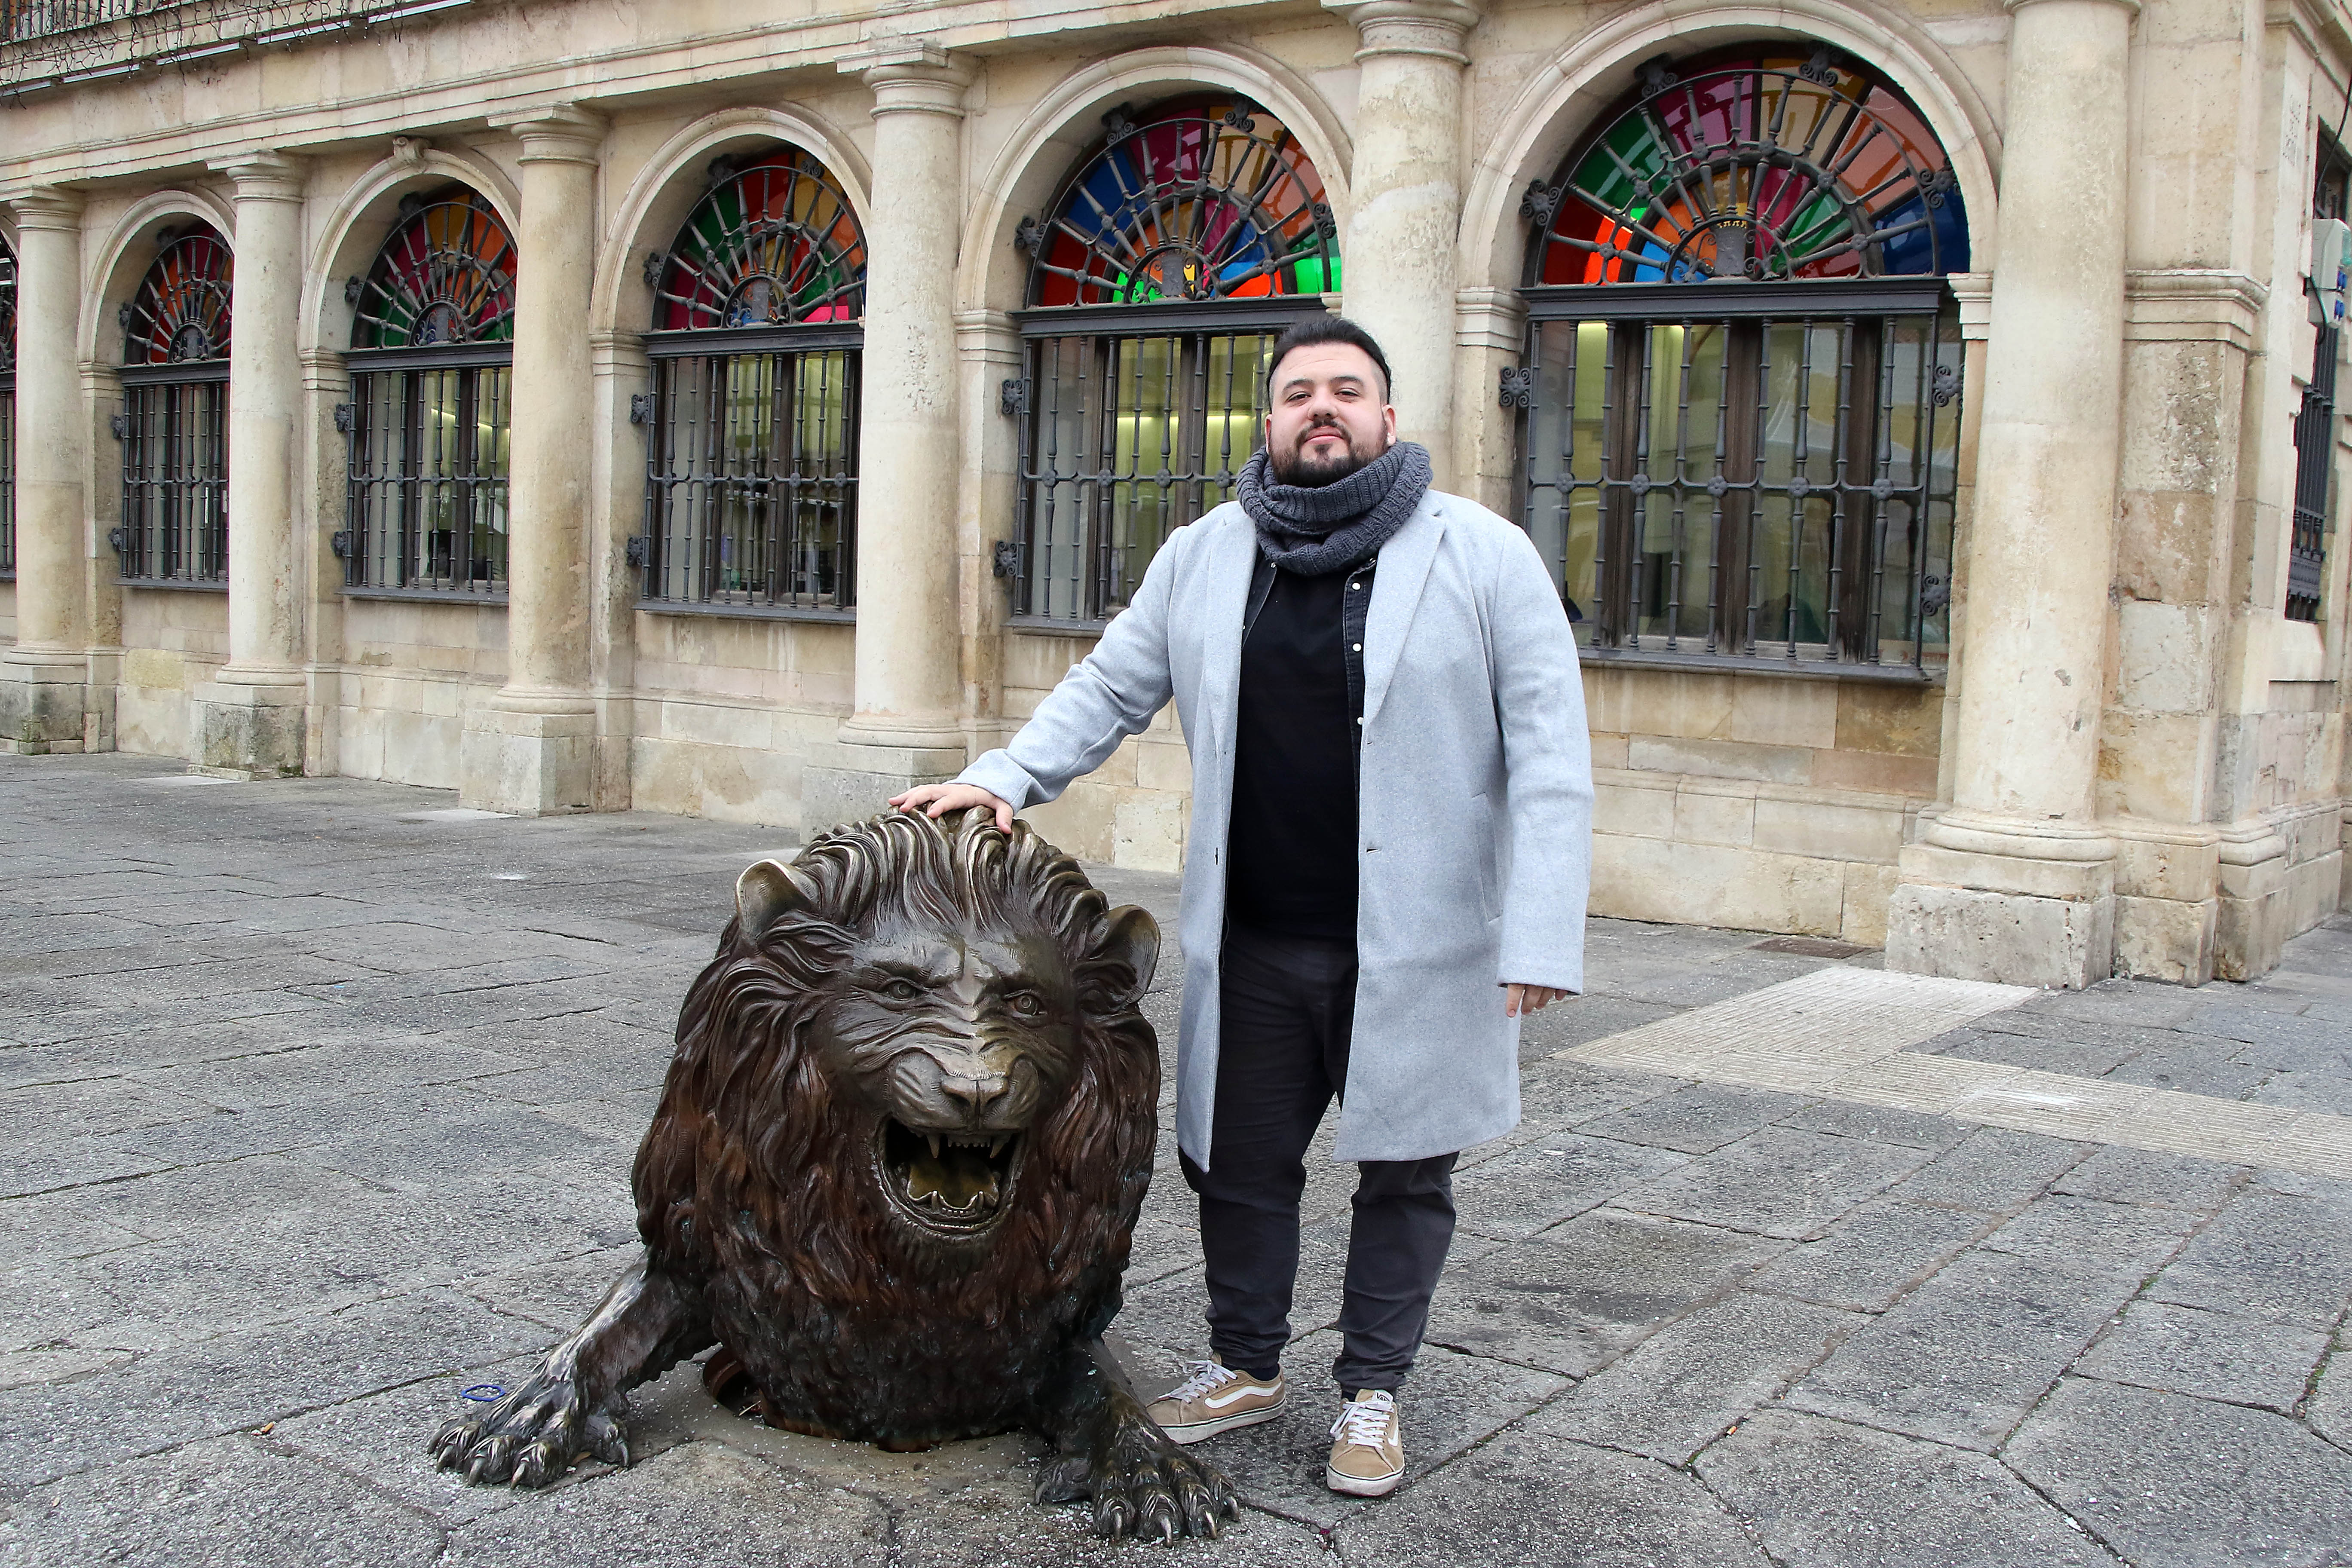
(1314, 468)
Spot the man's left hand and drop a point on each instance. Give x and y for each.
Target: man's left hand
(1518, 1001)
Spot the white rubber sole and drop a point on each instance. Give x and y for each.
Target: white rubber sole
(1356, 1486)
(1199, 1430)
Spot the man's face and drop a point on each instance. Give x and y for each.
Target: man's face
(1331, 414)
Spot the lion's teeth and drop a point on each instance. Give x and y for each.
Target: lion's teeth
(996, 1146)
(933, 1139)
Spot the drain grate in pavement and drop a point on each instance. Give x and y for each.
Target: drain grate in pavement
(1843, 1034)
(1810, 947)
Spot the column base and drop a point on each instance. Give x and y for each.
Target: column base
(43, 700)
(861, 778)
(248, 731)
(2253, 920)
(528, 756)
(2022, 904)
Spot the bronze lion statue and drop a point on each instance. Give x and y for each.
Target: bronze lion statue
(893, 1176)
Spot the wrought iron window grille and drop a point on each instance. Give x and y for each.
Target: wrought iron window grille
(2316, 424)
(174, 426)
(8, 412)
(429, 423)
(1739, 406)
(1167, 263)
(751, 454)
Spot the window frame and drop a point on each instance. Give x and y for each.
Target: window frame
(388, 496)
(2312, 501)
(174, 427)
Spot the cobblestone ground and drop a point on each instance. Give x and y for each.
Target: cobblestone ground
(318, 1100)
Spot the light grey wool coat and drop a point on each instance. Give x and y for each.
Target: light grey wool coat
(1476, 810)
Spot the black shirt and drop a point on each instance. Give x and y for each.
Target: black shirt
(1291, 839)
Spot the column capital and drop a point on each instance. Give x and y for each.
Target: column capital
(1431, 27)
(46, 206)
(264, 177)
(555, 133)
(2013, 7)
(909, 76)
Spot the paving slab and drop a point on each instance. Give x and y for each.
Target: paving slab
(1778, 1182)
(1873, 1254)
(2181, 1350)
(2173, 1482)
(2271, 1255)
(1828, 1494)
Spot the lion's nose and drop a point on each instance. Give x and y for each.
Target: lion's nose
(977, 1097)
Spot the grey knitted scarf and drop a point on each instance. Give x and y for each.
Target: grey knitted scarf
(1314, 528)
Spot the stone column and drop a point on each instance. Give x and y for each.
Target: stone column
(44, 679)
(248, 720)
(905, 728)
(1405, 185)
(2015, 880)
(530, 750)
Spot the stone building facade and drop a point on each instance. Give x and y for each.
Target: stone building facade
(748, 410)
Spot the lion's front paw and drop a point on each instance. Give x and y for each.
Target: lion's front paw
(532, 1436)
(1142, 1484)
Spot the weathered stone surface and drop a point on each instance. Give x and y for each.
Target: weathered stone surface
(1583, 1292)
(2269, 1255)
(2070, 1230)
(1777, 1182)
(1994, 1170)
(2181, 1349)
(1697, 1119)
(231, 1502)
(1825, 1494)
(1525, 1499)
(1679, 1390)
(1873, 1254)
(2170, 1479)
(1965, 1357)
(1539, 1184)
(2141, 1176)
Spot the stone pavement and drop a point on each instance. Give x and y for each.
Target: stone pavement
(318, 1099)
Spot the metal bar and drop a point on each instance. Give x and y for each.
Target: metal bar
(1616, 301)
(1838, 478)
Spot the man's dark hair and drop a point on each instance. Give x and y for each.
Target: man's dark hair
(1309, 330)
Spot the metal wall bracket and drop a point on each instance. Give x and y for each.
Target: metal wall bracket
(346, 418)
(340, 544)
(352, 289)
(1538, 202)
(1027, 235)
(641, 409)
(1012, 396)
(120, 426)
(1519, 386)
(1005, 559)
(656, 262)
(640, 549)
(119, 539)
(122, 315)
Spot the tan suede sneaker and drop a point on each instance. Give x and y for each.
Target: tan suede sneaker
(1367, 1445)
(1215, 1398)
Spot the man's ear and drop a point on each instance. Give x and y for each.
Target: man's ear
(768, 891)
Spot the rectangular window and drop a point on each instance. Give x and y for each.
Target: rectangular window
(1747, 486)
(429, 453)
(2315, 422)
(1127, 439)
(7, 476)
(175, 482)
(751, 494)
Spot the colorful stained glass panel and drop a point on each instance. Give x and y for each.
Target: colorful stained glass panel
(775, 243)
(180, 313)
(1202, 199)
(1757, 165)
(447, 275)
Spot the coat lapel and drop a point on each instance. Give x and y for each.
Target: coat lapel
(1396, 592)
(1223, 599)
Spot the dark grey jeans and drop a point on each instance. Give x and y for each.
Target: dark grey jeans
(1288, 1003)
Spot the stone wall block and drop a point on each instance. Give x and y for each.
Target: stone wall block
(2166, 939)
(1701, 884)
(2164, 661)
(1905, 720)
(1720, 759)
(2152, 765)
(1829, 832)
(1704, 815)
(2010, 939)
(1784, 712)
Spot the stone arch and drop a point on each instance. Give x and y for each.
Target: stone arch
(991, 274)
(1565, 96)
(119, 263)
(356, 227)
(664, 194)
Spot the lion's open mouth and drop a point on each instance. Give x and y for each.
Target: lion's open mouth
(947, 1181)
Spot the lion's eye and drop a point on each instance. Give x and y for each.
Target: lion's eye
(1027, 1004)
(902, 991)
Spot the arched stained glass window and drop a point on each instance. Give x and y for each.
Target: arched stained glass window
(8, 411)
(175, 424)
(1762, 165)
(432, 360)
(775, 243)
(1741, 387)
(1169, 262)
(1202, 198)
(751, 485)
(447, 275)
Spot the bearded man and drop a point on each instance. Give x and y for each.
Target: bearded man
(1386, 869)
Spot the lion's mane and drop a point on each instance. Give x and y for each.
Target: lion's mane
(753, 1175)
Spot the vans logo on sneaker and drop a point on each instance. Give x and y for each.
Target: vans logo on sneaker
(1218, 1401)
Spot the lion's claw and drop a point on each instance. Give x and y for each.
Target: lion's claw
(530, 1437)
(1145, 1486)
